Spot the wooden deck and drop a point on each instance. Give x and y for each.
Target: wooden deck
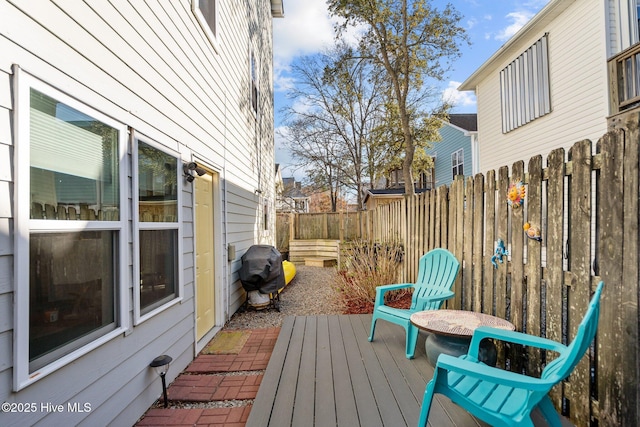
(324, 372)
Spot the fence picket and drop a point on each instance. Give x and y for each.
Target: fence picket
(467, 244)
(489, 238)
(478, 223)
(518, 286)
(611, 202)
(628, 251)
(554, 242)
(580, 190)
(457, 243)
(534, 261)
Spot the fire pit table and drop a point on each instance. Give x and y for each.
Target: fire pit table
(450, 332)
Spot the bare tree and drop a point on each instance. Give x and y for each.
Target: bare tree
(338, 105)
(318, 153)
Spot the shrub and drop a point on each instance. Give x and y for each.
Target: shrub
(367, 266)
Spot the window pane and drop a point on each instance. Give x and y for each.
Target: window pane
(254, 84)
(208, 10)
(158, 267)
(74, 163)
(157, 185)
(72, 292)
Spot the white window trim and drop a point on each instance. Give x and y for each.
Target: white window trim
(23, 83)
(459, 153)
(214, 38)
(138, 225)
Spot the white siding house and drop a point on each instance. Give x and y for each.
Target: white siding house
(136, 167)
(547, 87)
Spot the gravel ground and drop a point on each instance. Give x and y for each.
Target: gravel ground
(309, 293)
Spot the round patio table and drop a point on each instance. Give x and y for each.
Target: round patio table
(450, 332)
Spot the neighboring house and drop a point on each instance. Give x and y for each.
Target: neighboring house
(456, 152)
(293, 199)
(136, 166)
(548, 86)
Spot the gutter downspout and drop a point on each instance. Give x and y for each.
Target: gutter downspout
(224, 214)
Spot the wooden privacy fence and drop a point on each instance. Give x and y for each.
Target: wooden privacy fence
(332, 225)
(587, 210)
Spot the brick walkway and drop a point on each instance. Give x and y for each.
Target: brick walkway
(207, 379)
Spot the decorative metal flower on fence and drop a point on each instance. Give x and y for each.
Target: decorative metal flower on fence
(516, 194)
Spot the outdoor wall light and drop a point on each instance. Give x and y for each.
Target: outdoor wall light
(161, 365)
(189, 168)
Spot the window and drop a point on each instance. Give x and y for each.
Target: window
(457, 163)
(206, 12)
(157, 223)
(300, 205)
(525, 88)
(426, 180)
(265, 215)
(254, 83)
(69, 225)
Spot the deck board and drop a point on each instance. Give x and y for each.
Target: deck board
(305, 393)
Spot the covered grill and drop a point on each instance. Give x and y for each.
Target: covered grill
(262, 275)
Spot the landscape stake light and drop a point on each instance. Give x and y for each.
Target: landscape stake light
(161, 366)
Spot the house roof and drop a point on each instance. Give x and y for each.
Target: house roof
(389, 192)
(292, 190)
(467, 122)
(513, 46)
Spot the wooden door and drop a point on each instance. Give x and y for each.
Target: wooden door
(205, 289)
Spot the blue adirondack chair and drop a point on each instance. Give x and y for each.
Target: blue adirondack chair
(437, 270)
(503, 398)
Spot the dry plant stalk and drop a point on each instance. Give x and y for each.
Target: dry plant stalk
(368, 265)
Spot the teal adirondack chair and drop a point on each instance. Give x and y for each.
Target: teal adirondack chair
(437, 271)
(503, 398)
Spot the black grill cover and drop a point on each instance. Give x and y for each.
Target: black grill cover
(262, 269)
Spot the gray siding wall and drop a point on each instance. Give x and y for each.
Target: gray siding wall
(150, 66)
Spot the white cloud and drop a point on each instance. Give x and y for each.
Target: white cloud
(472, 22)
(306, 28)
(282, 82)
(460, 100)
(518, 20)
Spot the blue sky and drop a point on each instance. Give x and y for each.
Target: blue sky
(307, 28)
